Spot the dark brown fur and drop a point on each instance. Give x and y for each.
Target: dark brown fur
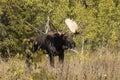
(54, 43)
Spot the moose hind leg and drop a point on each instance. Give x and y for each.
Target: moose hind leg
(29, 60)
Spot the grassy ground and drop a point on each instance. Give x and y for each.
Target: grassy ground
(75, 67)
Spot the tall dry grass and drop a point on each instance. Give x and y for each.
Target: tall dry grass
(75, 67)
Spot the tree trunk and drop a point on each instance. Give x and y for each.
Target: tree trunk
(82, 50)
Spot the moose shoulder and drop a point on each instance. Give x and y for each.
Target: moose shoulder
(54, 43)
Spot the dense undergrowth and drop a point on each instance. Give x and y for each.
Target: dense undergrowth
(91, 66)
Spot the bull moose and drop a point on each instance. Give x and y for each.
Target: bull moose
(54, 44)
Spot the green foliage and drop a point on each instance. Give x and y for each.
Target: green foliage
(98, 20)
(14, 69)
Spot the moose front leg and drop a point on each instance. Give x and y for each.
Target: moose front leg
(61, 58)
(51, 60)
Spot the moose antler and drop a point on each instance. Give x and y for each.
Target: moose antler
(72, 25)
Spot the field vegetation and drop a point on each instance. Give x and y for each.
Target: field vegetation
(76, 67)
(98, 41)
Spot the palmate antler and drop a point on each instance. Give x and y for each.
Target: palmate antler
(72, 25)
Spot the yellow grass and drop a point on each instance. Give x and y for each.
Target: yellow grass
(76, 67)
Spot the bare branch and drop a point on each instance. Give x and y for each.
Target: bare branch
(47, 26)
(34, 27)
